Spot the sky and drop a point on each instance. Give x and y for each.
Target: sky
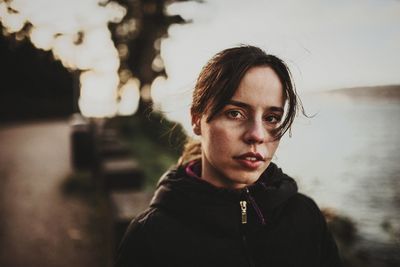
(327, 44)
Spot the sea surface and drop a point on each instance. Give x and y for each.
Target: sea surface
(347, 157)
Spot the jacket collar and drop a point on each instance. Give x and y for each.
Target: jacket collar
(181, 192)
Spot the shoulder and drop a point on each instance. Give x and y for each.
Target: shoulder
(301, 216)
(312, 219)
(304, 201)
(304, 209)
(139, 224)
(305, 221)
(144, 224)
(134, 246)
(135, 231)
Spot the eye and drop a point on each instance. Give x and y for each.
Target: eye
(235, 114)
(273, 119)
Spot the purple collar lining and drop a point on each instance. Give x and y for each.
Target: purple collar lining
(193, 169)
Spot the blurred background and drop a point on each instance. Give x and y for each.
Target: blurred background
(94, 107)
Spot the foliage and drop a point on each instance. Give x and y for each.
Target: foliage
(138, 38)
(156, 143)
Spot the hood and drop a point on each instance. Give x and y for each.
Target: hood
(199, 203)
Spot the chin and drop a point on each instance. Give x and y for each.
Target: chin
(245, 178)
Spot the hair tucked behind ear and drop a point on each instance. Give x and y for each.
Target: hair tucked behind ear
(191, 151)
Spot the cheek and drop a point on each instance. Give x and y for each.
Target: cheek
(272, 147)
(218, 138)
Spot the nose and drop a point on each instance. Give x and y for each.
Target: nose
(255, 132)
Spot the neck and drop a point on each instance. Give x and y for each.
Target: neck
(216, 178)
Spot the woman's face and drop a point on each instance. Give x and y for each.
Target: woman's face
(238, 144)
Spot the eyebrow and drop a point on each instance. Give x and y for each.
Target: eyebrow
(247, 106)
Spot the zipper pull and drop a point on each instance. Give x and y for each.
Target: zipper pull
(243, 207)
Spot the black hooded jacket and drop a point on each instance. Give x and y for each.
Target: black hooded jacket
(192, 223)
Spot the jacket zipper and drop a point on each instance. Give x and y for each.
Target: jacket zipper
(243, 209)
(255, 206)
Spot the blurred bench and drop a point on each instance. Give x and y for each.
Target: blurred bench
(82, 143)
(121, 174)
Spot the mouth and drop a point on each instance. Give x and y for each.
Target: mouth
(251, 156)
(250, 160)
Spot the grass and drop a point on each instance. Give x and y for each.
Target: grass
(153, 159)
(155, 142)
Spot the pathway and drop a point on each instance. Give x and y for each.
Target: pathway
(39, 226)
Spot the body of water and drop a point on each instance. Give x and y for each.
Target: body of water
(347, 158)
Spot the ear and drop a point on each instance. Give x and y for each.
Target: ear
(196, 124)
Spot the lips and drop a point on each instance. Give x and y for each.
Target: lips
(250, 160)
(251, 156)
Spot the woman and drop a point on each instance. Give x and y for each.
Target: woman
(226, 203)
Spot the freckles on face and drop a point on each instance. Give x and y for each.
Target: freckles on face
(237, 144)
(218, 138)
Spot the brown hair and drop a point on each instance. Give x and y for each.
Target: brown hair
(221, 76)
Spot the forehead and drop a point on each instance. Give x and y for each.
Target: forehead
(260, 87)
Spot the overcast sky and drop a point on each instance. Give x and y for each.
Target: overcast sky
(327, 44)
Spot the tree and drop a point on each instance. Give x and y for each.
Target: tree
(136, 34)
(138, 38)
